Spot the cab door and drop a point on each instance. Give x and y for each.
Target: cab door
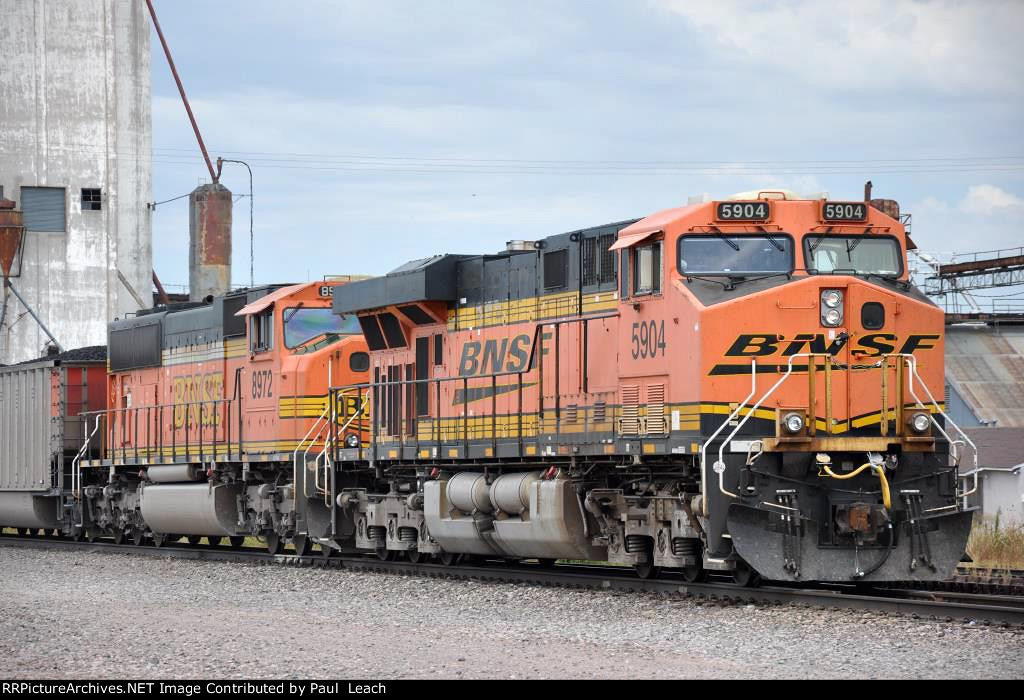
(261, 382)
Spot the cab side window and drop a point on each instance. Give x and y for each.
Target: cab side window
(647, 269)
(261, 331)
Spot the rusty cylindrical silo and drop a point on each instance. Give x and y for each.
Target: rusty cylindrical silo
(209, 241)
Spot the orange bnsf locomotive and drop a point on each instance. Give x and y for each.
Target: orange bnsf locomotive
(745, 386)
(207, 408)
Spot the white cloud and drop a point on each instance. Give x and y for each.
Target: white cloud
(982, 218)
(987, 199)
(951, 47)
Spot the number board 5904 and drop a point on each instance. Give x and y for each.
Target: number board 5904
(844, 211)
(743, 211)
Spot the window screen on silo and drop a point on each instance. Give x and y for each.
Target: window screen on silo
(43, 209)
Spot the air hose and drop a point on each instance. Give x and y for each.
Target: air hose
(878, 469)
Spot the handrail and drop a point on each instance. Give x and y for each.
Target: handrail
(295, 454)
(76, 474)
(719, 466)
(704, 447)
(118, 416)
(912, 363)
(328, 445)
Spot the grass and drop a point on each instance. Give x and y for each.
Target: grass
(996, 544)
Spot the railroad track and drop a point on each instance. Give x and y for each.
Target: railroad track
(986, 609)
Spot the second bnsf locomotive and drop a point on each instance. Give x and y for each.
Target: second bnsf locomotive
(745, 386)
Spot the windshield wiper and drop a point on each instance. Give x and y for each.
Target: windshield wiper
(733, 281)
(771, 239)
(888, 278)
(732, 244)
(307, 345)
(726, 286)
(294, 311)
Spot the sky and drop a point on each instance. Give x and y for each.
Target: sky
(380, 132)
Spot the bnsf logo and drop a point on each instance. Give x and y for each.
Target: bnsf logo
(496, 355)
(872, 345)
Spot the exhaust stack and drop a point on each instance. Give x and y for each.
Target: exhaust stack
(209, 228)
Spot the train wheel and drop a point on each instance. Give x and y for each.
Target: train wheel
(137, 536)
(546, 563)
(743, 575)
(236, 542)
(646, 571)
(693, 574)
(326, 550)
(160, 539)
(385, 554)
(22, 531)
(77, 534)
(301, 545)
(448, 558)
(91, 535)
(273, 543)
(119, 536)
(415, 556)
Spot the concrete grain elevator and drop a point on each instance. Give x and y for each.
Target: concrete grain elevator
(75, 157)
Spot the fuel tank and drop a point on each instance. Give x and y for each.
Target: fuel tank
(191, 509)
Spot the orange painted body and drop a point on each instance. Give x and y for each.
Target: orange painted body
(783, 321)
(657, 367)
(233, 398)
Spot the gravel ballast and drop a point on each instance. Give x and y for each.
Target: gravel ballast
(68, 614)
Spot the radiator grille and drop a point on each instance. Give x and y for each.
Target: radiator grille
(629, 423)
(656, 410)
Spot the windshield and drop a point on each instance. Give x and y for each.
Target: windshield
(735, 255)
(854, 254)
(302, 325)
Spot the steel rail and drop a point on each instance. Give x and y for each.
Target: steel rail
(998, 610)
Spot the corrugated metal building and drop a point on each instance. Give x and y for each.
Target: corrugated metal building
(985, 369)
(1001, 455)
(75, 155)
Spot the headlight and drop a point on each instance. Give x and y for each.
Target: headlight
(793, 423)
(831, 308)
(920, 422)
(351, 440)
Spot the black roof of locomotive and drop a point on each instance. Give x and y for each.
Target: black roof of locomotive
(473, 279)
(138, 341)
